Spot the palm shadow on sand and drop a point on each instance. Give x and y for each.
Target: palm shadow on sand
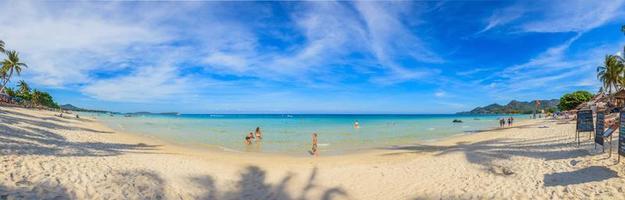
(585, 175)
(33, 139)
(485, 153)
(252, 185)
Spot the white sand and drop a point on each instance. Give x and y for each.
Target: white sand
(46, 157)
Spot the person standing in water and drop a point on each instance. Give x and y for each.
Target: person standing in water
(356, 124)
(314, 149)
(259, 135)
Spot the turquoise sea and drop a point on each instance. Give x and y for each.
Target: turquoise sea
(291, 134)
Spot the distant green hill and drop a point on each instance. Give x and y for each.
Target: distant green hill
(514, 107)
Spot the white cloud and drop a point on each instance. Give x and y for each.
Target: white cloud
(575, 16)
(473, 71)
(440, 94)
(503, 16)
(556, 16)
(63, 47)
(390, 40)
(146, 84)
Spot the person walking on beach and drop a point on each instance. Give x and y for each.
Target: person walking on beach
(259, 135)
(510, 121)
(314, 149)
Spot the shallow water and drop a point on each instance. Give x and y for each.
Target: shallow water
(291, 134)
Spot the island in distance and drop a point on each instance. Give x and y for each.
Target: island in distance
(516, 107)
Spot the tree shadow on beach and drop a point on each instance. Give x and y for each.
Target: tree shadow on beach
(486, 152)
(252, 185)
(56, 123)
(132, 184)
(585, 175)
(33, 139)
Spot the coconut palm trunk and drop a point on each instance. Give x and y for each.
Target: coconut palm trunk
(6, 81)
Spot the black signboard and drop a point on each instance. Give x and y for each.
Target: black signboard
(599, 129)
(621, 134)
(584, 121)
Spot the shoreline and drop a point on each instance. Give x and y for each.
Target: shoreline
(356, 151)
(47, 157)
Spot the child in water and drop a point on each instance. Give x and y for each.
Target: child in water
(248, 140)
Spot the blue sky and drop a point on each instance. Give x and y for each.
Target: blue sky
(310, 57)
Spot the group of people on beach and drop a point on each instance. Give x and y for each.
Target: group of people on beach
(503, 121)
(258, 136)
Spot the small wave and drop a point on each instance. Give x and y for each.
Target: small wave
(466, 126)
(323, 144)
(228, 149)
(431, 129)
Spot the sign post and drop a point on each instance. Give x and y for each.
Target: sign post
(599, 130)
(584, 123)
(621, 135)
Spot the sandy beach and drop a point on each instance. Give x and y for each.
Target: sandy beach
(48, 157)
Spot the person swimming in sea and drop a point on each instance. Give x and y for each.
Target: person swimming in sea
(259, 135)
(356, 124)
(248, 140)
(314, 150)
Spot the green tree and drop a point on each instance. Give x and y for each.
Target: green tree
(571, 100)
(23, 87)
(611, 73)
(2, 46)
(9, 65)
(40, 98)
(10, 92)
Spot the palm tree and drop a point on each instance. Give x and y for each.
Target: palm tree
(9, 65)
(37, 97)
(610, 73)
(24, 88)
(2, 46)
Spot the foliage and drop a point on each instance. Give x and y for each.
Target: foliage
(611, 73)
(11, 92)
(11, 64)
(43, 99)
(23, 87)
(571, 100)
